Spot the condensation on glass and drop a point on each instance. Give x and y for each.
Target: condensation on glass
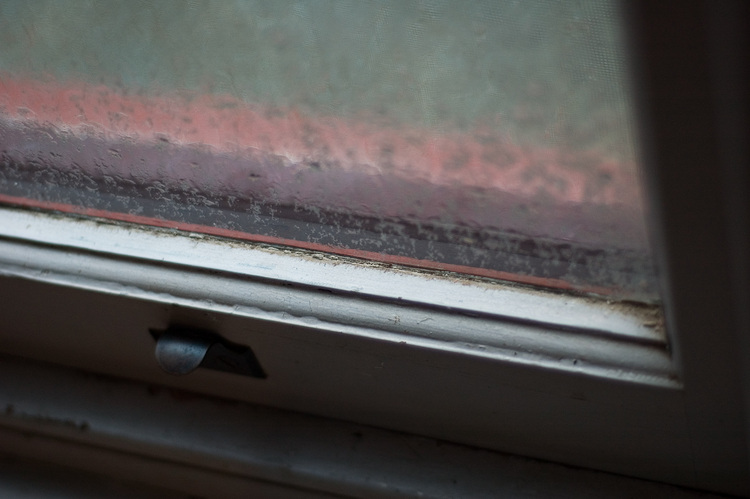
(487, 137)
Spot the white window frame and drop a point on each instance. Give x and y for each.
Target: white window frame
(692, 66)
(506, 368)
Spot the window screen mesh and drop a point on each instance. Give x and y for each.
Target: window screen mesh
(487, 137)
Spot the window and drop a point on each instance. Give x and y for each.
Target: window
(560, 377)
(492, 138)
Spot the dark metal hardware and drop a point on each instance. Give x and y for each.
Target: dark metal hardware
(180, 350)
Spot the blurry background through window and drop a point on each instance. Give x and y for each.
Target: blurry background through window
(488, 137)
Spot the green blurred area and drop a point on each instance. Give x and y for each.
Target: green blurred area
(545, 73)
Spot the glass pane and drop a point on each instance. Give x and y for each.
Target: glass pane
(487, 137)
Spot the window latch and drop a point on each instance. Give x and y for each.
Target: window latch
(181, 350)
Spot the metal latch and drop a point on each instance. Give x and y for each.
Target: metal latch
(181, 350)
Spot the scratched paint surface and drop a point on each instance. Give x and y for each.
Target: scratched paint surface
(487, 137)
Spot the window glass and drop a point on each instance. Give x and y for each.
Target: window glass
(487, 137)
